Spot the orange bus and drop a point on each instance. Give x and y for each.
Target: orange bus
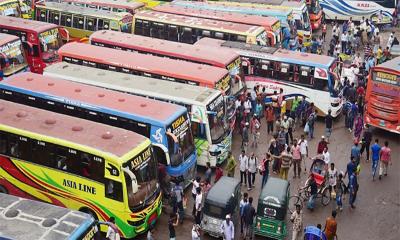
(40, 40)
(146, 65)
(196, 54)
(271, 25)
(383, 96)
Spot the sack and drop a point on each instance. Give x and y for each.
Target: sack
(333, 194)
(306, 128)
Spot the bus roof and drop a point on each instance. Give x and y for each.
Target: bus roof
(217, 15)
(110, 140)
(393, 64)
(177, 92)
(310, 59)
(199, 22)
(31, 217)
(146, 110)
(25, 24)
(68, 8)
(6, 38)
(113, 3)
(275, 4)
(174, 49)
(144, 62)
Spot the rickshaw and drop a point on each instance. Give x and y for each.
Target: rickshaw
(223, 198)
(314, 233)
(271, 210)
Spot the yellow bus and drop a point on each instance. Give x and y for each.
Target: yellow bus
(81, 22)
(187, 29)
(15, 8)
(108, 5)
(78, 164)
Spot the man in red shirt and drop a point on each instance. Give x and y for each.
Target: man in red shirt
(385, 159)
(322, 145)
(360, 91)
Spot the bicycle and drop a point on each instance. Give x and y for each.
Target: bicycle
(304, 194)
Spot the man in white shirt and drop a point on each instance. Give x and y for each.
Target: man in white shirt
(198, 205)
(228, 229)
(344, 39)
(303, 150)
(195, 232)
(327, 156)
(243, 164)
(196, 184)
(112, 230)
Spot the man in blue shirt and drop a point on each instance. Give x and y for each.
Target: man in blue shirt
(355, 152)
(351, 167)
(375, 149)
(353, 189)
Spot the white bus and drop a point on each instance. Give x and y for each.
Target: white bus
(206, 106)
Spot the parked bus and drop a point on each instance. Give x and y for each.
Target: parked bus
(285, 16)
(150, 3)
(78, 164)
(15, 8)
(82, 21)
(40, 40)
(313, 76)
(344, 9)
(108, 5)
(40, 220)
(147, 65)
(12, 58)
(209, 116)
(271, 24)
(185, 29)
(317, 16)
(197, 54)
(383, 96)
(167, 125)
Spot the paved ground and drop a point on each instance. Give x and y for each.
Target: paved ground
(378, 203)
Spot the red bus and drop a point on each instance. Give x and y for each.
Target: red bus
(383, 96)
(271, 25)
(40, 40)
(146, 65)
(225, 58)
(12, 59)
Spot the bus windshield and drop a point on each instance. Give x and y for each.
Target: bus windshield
(180, 140)
(306, 20)
(50, 42)
(12, 58)
(314, 7)
(216, 119)
(144, 169)
(262, 39)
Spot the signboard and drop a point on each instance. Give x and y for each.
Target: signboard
(49, 36)
(140, 160)
(386, 78)
(11, 49)
(224, 84)
(179, 126)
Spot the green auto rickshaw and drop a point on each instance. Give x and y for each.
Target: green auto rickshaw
(271, 210)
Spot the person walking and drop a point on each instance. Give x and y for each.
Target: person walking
(172, 223)
(199, 205)
(218, 173)
(255, 130)
(208, 173)
(228, 228)
(270, 117)
(340, 191)
(351, 167)
(310, 121)
(245, 136)
(249, 214)
(242, 204)
(297, 219)
(303, 150)
(286, 159)
(178, 195)
(366, 142)
(328, 125)
(243, 165)
(195, 232)
(275, 154)
(332, 180)
(195, 185)
(331, 226)
(230, 166)
(285, 125)
(385, 156)
(264, 168)
(252, 170)
(353, 189)
(376, 150)
(324, 28)
(355, 152)
(358, 126)
(322, 145)
(296, 153)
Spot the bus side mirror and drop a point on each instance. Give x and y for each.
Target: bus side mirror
(135, 187)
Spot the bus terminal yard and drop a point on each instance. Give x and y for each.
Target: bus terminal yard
(153, 120)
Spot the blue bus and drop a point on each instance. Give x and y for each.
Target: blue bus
(166, 125)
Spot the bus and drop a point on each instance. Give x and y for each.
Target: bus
(108, 5)
(79, 164)
(186, 29)
(317, 16)
(369, 9)
(12, 58)
(81, 21)
(197, 54)
(41, 220)
(271, 25)
(40, 41)
(285, 16)
(146, 65)
(208, 113)
(383, 96)
(166, 125)
(15, 8)
(313, 76)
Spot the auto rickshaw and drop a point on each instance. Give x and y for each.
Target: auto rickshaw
(223, 198)
(271, 210)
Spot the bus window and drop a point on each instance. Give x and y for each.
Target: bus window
(42, 153)
(78, 22)
(321, 84)
(241, 38)
(158, 30)
(114, 190)
(206, 33)
(305, 75)
(41, 15)
(146, 28)
(291, 73)
(106, 8)
(54, 17)
(90, 24)
(66, 20)
(199, 130)
(72, 162)
(284, 72)
(61, 158)
(219, 35)
(92, 6)
(3, 143)
(187, 35)
(103, 24)
(173, 33)
(14, 146)
(159, 155)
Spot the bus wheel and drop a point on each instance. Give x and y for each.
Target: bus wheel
(3, 190)
(90, 212)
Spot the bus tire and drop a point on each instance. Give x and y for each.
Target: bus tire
(90, 212)
(3, 189)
